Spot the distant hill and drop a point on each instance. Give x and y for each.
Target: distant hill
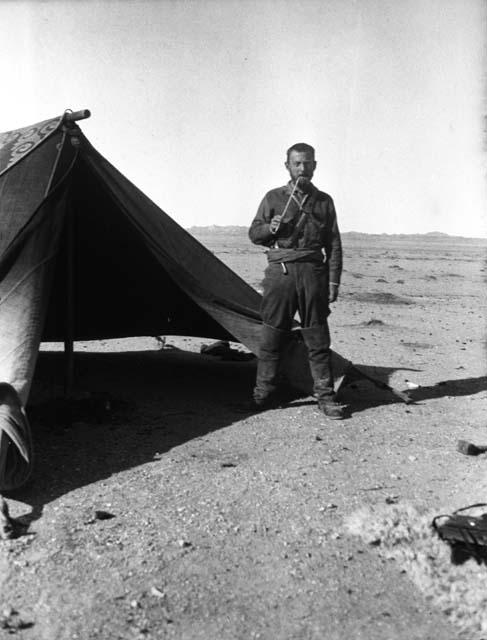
(437, 234)
(239, 231)
(229, 230)
(430, 236)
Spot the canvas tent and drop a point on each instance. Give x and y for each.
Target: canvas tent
(84, 254)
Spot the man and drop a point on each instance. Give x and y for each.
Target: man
(298, 223)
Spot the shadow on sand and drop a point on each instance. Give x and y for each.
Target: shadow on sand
(454, 388)
(158, 400)
(362, 394)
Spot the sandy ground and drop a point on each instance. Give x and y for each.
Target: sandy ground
(177, 513)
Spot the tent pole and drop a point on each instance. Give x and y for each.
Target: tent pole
(69, 311)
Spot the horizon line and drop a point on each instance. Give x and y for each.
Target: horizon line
(437, 234)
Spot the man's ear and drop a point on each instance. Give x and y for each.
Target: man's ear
(314, 165)
(286, 164)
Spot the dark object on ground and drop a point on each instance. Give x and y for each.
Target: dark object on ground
(12, 622)
(466, 534)
(100, 515)
(221, 349)
(103, 515)
(373, 322)
(470, 449)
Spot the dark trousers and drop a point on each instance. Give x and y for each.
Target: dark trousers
(303, 289)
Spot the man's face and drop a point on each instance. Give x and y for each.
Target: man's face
(301, 164)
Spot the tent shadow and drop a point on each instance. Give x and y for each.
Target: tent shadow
(159, 400)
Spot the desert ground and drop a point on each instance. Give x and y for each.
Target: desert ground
(170, 510)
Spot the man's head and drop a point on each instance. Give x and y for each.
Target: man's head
(300, 161)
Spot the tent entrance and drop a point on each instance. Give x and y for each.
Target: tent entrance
(118, 286)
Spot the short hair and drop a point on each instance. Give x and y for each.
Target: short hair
(300, 147)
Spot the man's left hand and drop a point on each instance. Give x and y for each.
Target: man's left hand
(332, 292)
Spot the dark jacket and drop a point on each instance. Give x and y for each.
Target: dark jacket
(317, 232)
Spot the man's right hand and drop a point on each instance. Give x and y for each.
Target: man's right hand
(274, 224)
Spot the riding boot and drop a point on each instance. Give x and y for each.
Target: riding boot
(317, 340)
(271, 343)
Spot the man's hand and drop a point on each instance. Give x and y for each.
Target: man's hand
(332, 292)
(274, 224)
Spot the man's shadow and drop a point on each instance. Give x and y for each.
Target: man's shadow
(372, 389)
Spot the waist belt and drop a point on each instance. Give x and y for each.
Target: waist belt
(295, 255)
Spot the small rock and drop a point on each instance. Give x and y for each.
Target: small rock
(412, 458)
(157, 592)
(12, 621)
(184, 544)
(100, 515)
(103, 515)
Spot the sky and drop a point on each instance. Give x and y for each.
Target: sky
(196, 102)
